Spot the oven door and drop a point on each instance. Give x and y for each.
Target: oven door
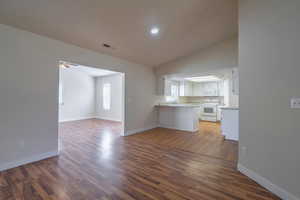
(210, 110)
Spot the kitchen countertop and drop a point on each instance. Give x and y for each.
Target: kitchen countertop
(229, 107)
(178, 105)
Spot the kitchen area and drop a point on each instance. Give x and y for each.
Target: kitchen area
(188, 101)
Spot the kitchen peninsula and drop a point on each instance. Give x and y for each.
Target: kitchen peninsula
(179, 116)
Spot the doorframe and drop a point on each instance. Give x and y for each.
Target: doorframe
(123, 104)
(123, 109)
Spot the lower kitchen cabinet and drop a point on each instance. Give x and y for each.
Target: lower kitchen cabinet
(230, 123)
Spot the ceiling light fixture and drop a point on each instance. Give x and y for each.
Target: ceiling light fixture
(154, 31)
(63, 65)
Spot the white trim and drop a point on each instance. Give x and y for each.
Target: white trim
(109, 119)
(123, 119)
(135, 131)
(77, 119)
(176, 128)
(28, 160)
(267, 184)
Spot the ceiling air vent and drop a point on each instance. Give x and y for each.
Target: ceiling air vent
(106, 45)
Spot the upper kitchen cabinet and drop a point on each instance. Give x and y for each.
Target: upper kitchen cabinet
(221, 88)
(197, 89)
(160, 86)
(235, 81)
(186, 88)
(167, 87)
(207, 89)
(180, 87)
(210, 89)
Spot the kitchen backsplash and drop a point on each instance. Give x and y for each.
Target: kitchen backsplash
(167, 99)
(219, 100)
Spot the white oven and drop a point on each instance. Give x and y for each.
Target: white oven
(209, 112)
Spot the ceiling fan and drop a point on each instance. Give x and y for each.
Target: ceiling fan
(66, 65)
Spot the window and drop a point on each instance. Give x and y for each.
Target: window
(174, 90)
(106, 96)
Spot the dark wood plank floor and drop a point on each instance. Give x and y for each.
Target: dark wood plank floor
(97, 164)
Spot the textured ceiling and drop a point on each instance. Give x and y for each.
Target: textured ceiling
(186, 25)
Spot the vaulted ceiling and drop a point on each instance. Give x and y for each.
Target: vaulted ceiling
(185, 25)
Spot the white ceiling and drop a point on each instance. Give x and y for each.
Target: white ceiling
(185, 25)
(95, 72)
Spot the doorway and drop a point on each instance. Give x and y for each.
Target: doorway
(90, 97)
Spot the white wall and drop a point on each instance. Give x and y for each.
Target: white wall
(78, 95)
(29, 75)
(269, 64)
(219, 56)
(115, 112)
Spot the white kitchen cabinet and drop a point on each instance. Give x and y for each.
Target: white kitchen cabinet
(211, 89)
(186, 88)
(160, 85)
(206, 89)
(230, 123)
(235, 82)
(164, 86)
(197, 89)
(179, 117)
(221, 88)
(167, 89)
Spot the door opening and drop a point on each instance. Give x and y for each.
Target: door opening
(90, 97)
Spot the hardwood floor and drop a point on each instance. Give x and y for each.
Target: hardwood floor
(97, 164)
(208, 141)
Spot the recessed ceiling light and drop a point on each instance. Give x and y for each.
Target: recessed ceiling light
(154, 31)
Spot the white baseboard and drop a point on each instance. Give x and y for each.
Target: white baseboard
(135, 131)
(267, 184)
(28, 160)
(77, 119)
(109, 119)
(176, 128)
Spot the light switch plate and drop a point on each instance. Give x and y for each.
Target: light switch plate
(295, 103)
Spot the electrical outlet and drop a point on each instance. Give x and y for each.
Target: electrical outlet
(295, 103)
